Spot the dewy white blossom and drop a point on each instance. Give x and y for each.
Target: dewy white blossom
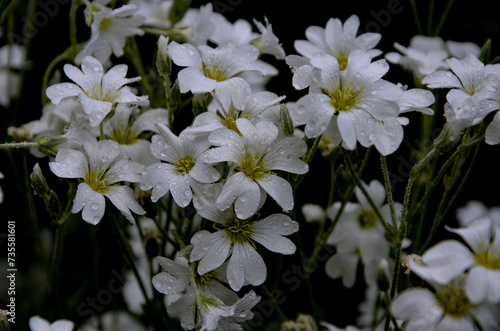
(101, 170)
(337, 40)
(126, 127)
(252, 157)
(183, 167)
(445, 308)
(110, 28)
(218, 116)
(216, 69)
(449, 259)
(38, 323)
(97, 91)
(346, 104)
(235, 240)
(203, 301)
(473, 92)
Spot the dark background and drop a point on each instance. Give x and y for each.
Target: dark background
(466, 22)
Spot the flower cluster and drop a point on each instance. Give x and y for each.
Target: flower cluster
(197, 168)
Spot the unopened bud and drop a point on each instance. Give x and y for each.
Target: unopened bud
(4, 320)
(200, 103)
(163, 61)
(48, 145)
(178, 10)
(286, 121)
(38, 182)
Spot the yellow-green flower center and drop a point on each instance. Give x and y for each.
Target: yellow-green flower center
(105, 23)
(124, 137)
(97, 95)
(228, 119)
(367, 219)
(252, 166)
(342, 62)
(185, 164)
(213, 71)
(489, 258)
(453, 301)
(342, 99)
(237, 230)
(96, 181)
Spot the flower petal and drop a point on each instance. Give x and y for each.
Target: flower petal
(279, 189)
(124, 200)
(92, 203)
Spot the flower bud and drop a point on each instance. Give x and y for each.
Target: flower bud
(48, 145)
(38, 182)
(4, 322)
(286, 121)
(163, 61)
(200, 103)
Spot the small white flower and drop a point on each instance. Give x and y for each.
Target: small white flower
(235, 240)
(110, 28)
(449, 259)
(38, 323)
(359, 235)
(475, 209)
(218, 116)
(446, 308)
(97, 91)
(101, 170)
(126, 127)
(424, 56)
(202, 296)
(183, 167)
(252, 157)
(11, 57)
(337, 40)
(216, 69)
(347, 104)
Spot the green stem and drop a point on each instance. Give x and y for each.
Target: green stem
(135, 57)
(442, 211)
(129, 256)
(54, 266)
(416, 17)
(430, 17)
(361, 186)
(73, 27)
(444, 15)
(24, 144)
(281, 315)
(320, 242)
(388, 189)
(66, 55)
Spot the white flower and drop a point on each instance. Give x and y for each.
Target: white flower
(359, 234)
(475, 209)
(11, 57)
(96, 91)
(101, 170)
(267, 42)
(235, 240)
(449, 259)
(183, 167)
(313, 212)
(215, 69)
(201, 296)
(37, 323)
(218, 116)
(155, 12)
(473, 95)
(347, 104)
(126, 127)
(447, 308)
(197, 25)
(337, 40)
(110, 28)
(252, 157)
(424, 56)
